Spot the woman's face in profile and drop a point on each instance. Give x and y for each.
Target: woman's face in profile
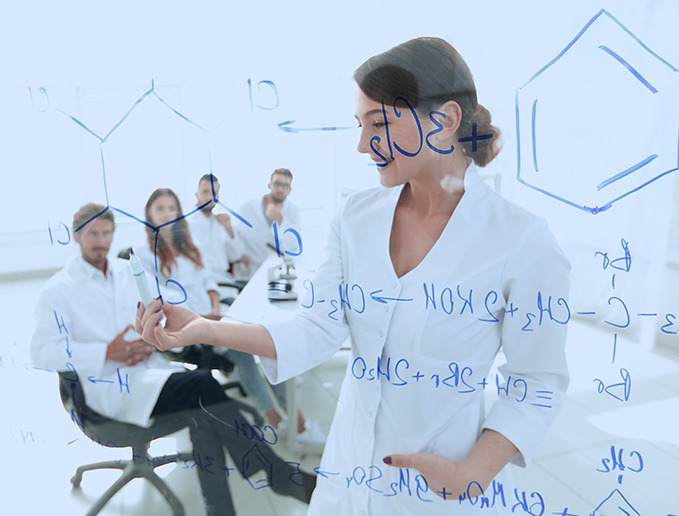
(164, 209)
(402, 156)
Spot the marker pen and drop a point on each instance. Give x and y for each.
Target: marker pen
(140, 279)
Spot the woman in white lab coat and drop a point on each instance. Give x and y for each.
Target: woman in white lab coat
(171, 256)
(430, 276)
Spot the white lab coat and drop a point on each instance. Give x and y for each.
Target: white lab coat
(187, 284)
(434, 348)
(216, 245)
(79, 312)
(255, 239)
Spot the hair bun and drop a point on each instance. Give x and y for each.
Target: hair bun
(486, 148)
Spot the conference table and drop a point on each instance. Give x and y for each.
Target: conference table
(315, 392)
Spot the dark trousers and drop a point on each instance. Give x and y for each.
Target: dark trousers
(216, 423)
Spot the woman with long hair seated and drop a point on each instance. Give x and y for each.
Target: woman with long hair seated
(173, 258)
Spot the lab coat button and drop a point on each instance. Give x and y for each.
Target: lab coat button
(370, 414)
(394, 285)
(381, 334)
(386, 308)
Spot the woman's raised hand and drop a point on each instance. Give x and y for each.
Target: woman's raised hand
(182, 326)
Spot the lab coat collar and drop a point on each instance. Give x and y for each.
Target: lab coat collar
(471, 177)
(80, 270)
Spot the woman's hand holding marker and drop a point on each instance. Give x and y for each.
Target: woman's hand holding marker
(182, 327)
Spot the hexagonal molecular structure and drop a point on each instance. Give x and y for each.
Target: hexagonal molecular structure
(147, 149)
(600, 121)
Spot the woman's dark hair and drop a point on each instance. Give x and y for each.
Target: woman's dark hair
(428, 72)
(181, 238)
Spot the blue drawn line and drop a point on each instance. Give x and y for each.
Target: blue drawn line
(535, 150)
(214, 195)
(155, 257)
(91, 219)
(629, 67)
(382, 299)
(182, 217)
(473, 138)
(122, 212)
(580, 34)
(643, 185)
(561, 54)
(585, 313)
(540, 405)
(627, 172)
(615, 346)
(95, 380)
(103, 171)
(518, 166)
(130, 111)
(595, 210)
(629, 33)
(285, 126)
(234, 213)
(647, 315)
(610, 496)
(179, 114)
(27, 366)
(80, 124)
(220, 123)
(212, 176)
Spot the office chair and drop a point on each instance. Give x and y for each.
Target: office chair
(116, 434)
(237, 285)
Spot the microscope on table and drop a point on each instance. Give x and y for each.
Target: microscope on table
(281, 281)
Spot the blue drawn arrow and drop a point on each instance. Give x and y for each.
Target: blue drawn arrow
(286, 126)
(93, 380)
(381, 299)
(324, 474)
(68, 348)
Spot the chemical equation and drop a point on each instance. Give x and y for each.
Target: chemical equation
(353, 298)
(458, 378)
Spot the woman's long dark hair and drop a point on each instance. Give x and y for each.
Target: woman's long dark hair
(181, 237)
(428, 72)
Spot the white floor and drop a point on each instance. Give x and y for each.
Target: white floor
(568, 476)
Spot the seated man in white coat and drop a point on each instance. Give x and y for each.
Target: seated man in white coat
(83, 323)
(260, 241)
(219, 244)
